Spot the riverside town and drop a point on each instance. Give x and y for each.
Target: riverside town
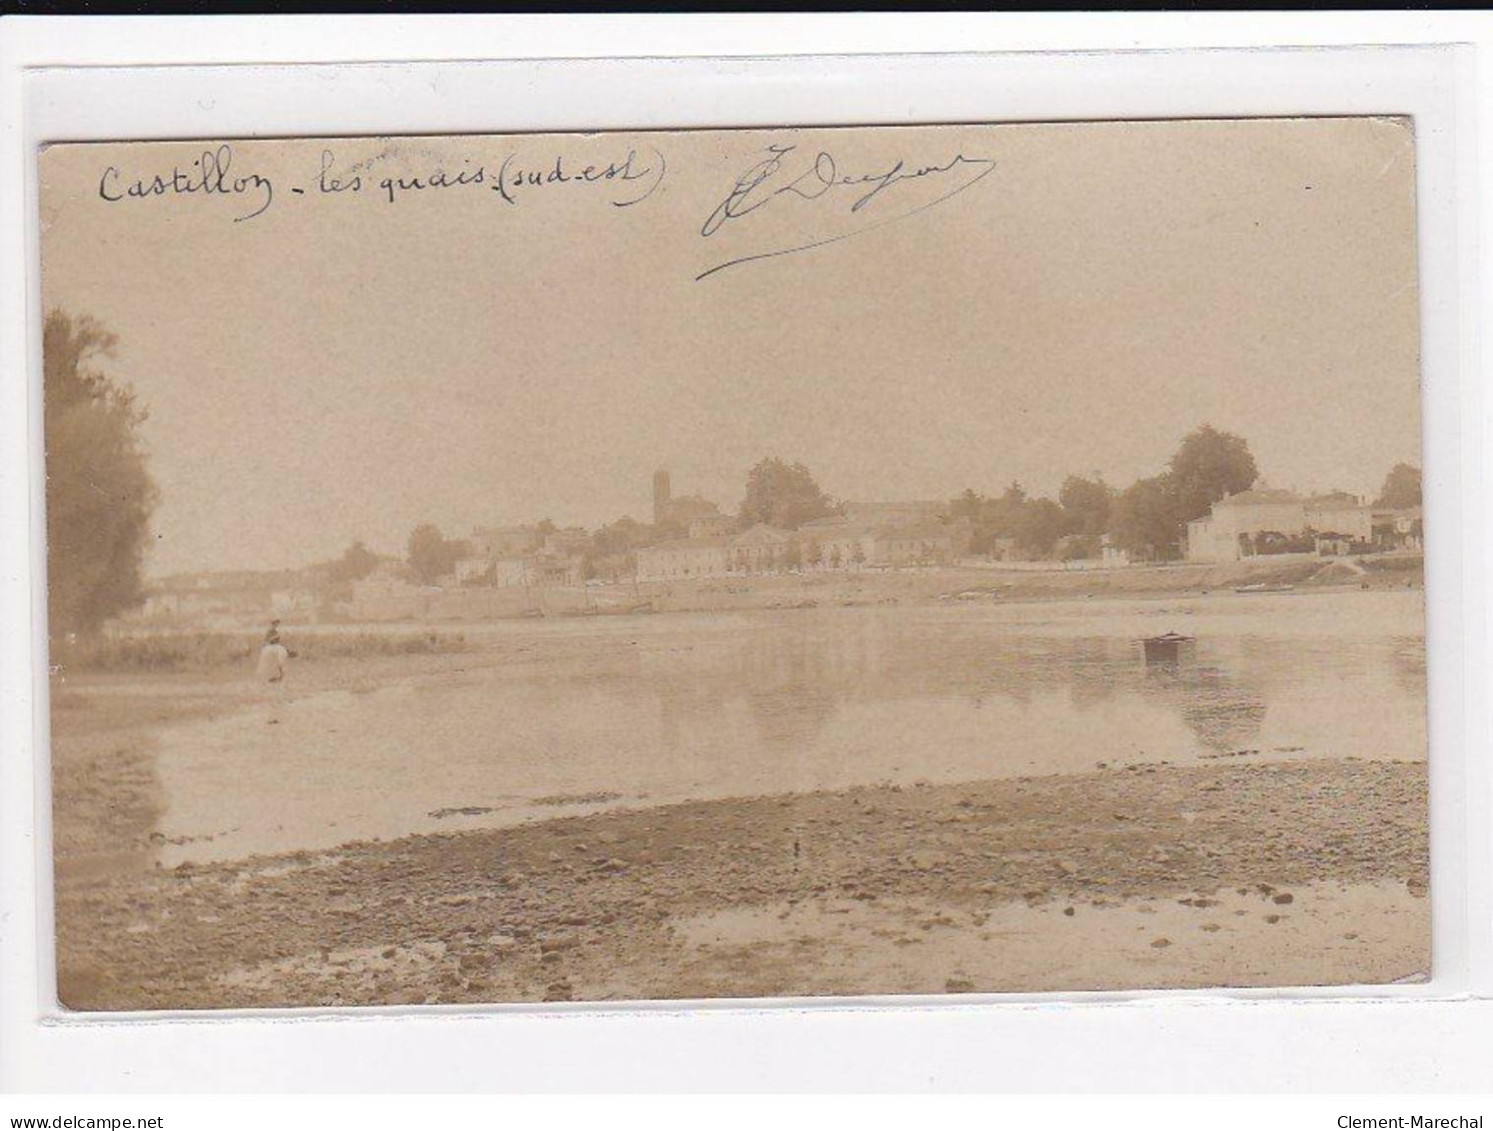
(1008, 577)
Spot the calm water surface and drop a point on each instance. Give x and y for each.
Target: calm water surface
(653, 709)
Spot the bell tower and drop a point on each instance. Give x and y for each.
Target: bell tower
(660, 496)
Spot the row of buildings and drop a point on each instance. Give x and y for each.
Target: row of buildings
(865, 535)
(709, 543)
(514, 565)
(1256, 522)
(507, 556)
(1263, 522)
(226, 599)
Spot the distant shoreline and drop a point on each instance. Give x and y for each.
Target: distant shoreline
(450, 608)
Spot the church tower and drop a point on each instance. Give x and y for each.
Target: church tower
(660, 496)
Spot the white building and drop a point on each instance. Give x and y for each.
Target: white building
(685, 557)
(1340, 515)
(1235, 521)
(1267, 521)
(761, 549)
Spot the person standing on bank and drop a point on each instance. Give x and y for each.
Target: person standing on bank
(273, 656)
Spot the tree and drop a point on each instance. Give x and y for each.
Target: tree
(967, 505)
(1035, 524)
(617, 538)
(783, 495)
(338, 575)
(1144, 518)
(1078, 547)
(1086, 504)
(431, 555)
(1208, 465)
(1039, 525)
(100, 495)
(1001, 517)
(1401, 489)
(356, 563)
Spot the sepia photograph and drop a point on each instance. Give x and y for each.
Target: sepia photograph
(735, 564)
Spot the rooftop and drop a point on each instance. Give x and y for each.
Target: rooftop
(1338, 500)
(713, 542)
(917, 530)
(1259, 495)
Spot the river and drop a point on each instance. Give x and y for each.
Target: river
(587, 713)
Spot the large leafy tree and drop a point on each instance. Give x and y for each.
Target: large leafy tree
(432, 556)
(1208, 465)
(613, 547)
(100, 495)
(338, 575)
(967, 506)
(1144, 519)
(1039, 525)
(783, 495)
(1401, 488)
(356, 563)
(1086, 504)
(1002, 515)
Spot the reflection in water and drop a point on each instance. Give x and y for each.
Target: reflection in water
(798, 674)
(1220, 709)
(793, 682)
(655, 709)
(1410, 665)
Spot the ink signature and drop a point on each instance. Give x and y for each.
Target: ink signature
(777, 178)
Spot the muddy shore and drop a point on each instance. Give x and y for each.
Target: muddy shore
(826, 890)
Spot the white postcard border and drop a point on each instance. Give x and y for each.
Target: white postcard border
(209, 102)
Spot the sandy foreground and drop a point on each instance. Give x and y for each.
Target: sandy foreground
(1294, 873)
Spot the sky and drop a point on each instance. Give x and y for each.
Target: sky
(1044, 300)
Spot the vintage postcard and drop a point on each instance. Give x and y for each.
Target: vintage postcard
(735, 563)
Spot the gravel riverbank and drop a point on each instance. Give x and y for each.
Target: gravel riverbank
(1225, 875)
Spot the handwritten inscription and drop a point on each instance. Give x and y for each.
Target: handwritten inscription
(625, 180)
(635, 179)
(208, 175)
(780, 177)
(832, 200)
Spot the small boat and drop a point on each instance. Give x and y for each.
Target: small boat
(1263, 587)
(1166, 648)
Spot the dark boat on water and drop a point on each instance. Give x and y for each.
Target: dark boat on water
(1166, 648)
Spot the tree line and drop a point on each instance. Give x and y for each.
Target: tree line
(1148, 519)
(100, 498)
(778, 493)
